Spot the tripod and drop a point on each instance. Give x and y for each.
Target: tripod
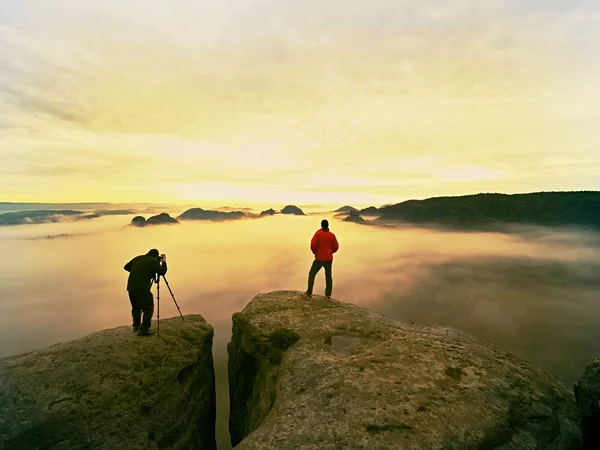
(158, 303)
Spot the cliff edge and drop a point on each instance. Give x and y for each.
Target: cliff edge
(113, 390)
(587, 393)
(317, 374)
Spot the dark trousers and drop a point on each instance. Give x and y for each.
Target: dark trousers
(142, 302)
(314, 270)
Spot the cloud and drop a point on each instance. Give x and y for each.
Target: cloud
(52, 108)
(272, 89)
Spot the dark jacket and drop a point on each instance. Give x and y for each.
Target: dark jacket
(324, 244)
(142, 270)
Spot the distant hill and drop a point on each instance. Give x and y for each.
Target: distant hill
(346, 209)
(268, 212)
(370, 211)
(13, 206)
(114, 212)
(291, 209)
(138, 221)
(90, 206)
(543, 208)
(55, 215)
(43, 216)
(202, 214)
(234, 209)
(160, 219)
(354, 216)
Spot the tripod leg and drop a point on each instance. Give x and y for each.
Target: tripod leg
(173, 296)
(158, 307)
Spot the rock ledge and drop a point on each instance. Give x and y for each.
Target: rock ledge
(113, 390)
(329, 375)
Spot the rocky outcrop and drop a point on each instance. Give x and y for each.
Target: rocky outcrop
(202, 214)
(138, 221)
(587, 393)
(113, 390)
(354, 216)
(268, 212)
(291, 209)
(317, 374)
(160, 219)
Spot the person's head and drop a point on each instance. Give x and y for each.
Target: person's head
(153, 253)
(325, 224)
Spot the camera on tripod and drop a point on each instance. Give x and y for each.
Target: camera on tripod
(162, 257)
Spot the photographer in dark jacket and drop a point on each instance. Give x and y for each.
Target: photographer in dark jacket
(143, 270)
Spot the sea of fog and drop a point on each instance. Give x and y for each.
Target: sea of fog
(534, 291)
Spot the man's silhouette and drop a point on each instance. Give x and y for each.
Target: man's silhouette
(143, 270)
(323, 245)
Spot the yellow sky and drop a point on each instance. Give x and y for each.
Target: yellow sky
(298, 101)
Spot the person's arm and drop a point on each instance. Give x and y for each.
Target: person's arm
(336, 245)
(314, 243)
(128, 266)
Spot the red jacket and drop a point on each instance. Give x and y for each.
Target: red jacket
(324, 244)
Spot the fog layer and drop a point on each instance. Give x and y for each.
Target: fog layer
(533, 292)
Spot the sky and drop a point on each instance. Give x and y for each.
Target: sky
(296, 101)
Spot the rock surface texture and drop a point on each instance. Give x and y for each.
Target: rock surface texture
(317, 374)
(587, 393)
(113, 390)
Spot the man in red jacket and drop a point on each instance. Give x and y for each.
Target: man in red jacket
(323, 245)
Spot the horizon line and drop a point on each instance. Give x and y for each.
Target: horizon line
(233, 203)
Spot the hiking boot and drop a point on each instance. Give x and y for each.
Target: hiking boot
(136, 328)
(328, 297)
(145, 333)
(306, 296)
